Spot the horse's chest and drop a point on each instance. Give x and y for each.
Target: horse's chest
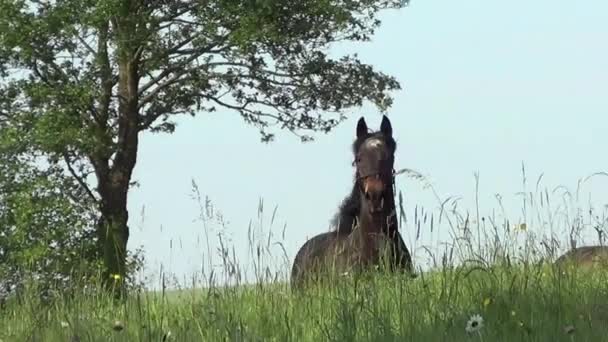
(363, 250)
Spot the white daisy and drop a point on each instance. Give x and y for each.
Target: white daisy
(118, 325)
(474, 324)
(569, 329)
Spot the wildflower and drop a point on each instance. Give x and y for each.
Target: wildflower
(118, 326)
(569, 329)
(522, 227)
(474, 324)
(116, 277)
(487, 301)
(64, 324)
(512, 313)
(525, 327)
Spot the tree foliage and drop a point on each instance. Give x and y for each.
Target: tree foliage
(44, 233)
(46, 227)
(84, 78)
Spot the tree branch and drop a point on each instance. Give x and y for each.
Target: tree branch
(78, 178)
(254, 116)
(243, 107)
(107, 81)
(180, 65)
(187, 8)
(86, 45)
(173, 80)
(148, 120)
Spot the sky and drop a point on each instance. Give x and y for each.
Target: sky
(487, 86)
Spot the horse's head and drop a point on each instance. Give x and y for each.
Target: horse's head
(374, 159)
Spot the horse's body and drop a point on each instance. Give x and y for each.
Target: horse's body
(585, 257)
(366, 225)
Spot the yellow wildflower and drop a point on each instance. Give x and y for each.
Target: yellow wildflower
(487, 301)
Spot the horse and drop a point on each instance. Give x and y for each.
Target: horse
(586, 257)
(365, 228)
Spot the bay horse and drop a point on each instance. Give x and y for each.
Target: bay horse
(585, 257)
(365, 229)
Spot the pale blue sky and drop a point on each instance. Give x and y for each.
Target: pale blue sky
(487, 85)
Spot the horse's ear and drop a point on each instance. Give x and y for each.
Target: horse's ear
(361, 128)
(385, 126)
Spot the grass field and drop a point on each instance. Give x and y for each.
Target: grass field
(515, 304)
(485, 296)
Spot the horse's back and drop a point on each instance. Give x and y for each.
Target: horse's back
(586, 256)
(312, 251)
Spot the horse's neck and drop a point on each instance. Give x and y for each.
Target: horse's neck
(387, 224)
(368, 228)
(367, 236)
(391, 221)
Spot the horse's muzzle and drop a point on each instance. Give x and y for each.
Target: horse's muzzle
(374, 195)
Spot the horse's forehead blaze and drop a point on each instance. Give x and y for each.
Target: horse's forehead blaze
(374, 144)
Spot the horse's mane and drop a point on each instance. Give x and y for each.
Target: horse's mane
(343, 220)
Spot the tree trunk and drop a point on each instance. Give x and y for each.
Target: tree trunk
(113, 235)
(112, 227)
(114, 181)
(114, 175)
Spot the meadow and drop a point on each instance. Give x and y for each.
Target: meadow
(495, 282)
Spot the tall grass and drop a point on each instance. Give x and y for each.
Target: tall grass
(490, 263)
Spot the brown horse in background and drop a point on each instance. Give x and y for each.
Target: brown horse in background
(365, 229)
(585, 257)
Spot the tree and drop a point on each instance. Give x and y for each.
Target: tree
(88, 77)
(46, 231)
(43, 233)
